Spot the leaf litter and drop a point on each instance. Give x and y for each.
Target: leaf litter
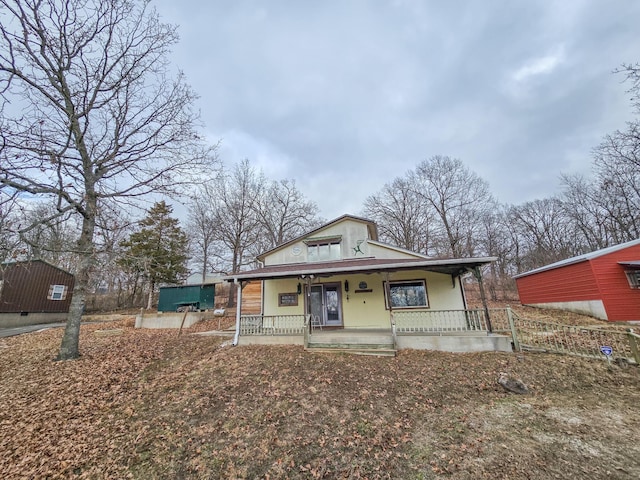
(148, 404)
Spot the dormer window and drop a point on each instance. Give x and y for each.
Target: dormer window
(323, 249)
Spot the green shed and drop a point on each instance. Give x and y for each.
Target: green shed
(192, 297)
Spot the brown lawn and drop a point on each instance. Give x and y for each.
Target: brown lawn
(152, 404)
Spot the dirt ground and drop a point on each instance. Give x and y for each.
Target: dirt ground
(151, 404)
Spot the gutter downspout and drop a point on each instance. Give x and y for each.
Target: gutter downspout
(238, 311)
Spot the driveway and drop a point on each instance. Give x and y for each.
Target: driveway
(10, 332)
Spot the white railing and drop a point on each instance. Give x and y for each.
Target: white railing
(433, 321)
(271, 324)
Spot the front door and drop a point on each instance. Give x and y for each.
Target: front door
(325, 305)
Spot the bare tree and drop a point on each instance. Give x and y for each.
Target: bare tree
(545, 233)
(234, 207)
(587, 207)
(617, 169)
(10, 244)
(403, 218)
(631, 72)
(458, 197)
(203, 232)
(284, 213)
(91, 114)
(51, 239)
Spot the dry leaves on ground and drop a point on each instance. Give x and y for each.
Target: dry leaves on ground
(151, 404)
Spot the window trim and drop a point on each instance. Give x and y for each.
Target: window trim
(288, 299)
(387, 293)
(633, 277)
(57, 293)
(315, 245)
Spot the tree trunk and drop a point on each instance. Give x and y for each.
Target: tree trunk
(231, 301)
(150, 299)
(69, 347)
(235, 269)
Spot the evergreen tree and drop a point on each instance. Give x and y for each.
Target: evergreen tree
(158, 250)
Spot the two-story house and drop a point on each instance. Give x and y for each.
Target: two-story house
(338, 286)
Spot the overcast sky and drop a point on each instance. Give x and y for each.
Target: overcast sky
(343, 95)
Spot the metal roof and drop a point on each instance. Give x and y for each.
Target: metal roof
(450, 266)
(581, 258)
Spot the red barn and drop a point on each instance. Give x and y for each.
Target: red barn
(604, 284)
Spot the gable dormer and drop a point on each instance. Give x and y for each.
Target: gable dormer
(343, 238)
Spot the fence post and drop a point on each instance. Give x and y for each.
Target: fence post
(514, 332)
(633, 342)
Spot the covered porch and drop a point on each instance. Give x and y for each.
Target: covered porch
(407, 303)
(444, 330)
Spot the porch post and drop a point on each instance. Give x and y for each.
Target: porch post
(238, 311)
(387, 292)
(483, 298)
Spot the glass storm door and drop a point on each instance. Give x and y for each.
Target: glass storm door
(326, 305)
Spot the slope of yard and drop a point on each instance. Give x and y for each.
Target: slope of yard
(152, 404)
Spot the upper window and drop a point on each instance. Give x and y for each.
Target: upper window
(407, 294)
(634, 278)
(319, 251)
(57, 292)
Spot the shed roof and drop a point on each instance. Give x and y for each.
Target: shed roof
(581, 258)
(450, 266)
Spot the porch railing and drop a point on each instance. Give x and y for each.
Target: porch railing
(434, 321)
(272, 325)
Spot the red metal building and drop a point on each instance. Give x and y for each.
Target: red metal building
(604, 284)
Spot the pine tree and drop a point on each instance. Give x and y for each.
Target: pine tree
(158, 251)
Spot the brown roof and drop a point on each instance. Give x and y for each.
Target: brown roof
(451, 266)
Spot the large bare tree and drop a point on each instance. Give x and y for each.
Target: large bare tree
(234, 213)
(458, 197)
(92, 114)
(402, 216)
(284, 213)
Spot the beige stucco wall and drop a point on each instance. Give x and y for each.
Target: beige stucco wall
(270, 291)
(366, 309)
(350, 230)
(387, 253)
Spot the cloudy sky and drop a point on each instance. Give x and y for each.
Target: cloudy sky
(345, 95)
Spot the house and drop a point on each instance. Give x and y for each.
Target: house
(33, 292)
(604, 284)
(338, 286)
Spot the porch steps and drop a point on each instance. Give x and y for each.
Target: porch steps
(363, 342)
(378, 352)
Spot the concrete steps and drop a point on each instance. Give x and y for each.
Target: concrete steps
(362, 342)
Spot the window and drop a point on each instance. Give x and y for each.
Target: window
(634, 278)
(287, 299)
(407, 294)
(321, 251)
(57, 292)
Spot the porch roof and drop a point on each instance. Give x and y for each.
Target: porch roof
(450, 266)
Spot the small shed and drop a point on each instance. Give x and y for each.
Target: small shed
(189, 297)
(34, 292)
(604, 284)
